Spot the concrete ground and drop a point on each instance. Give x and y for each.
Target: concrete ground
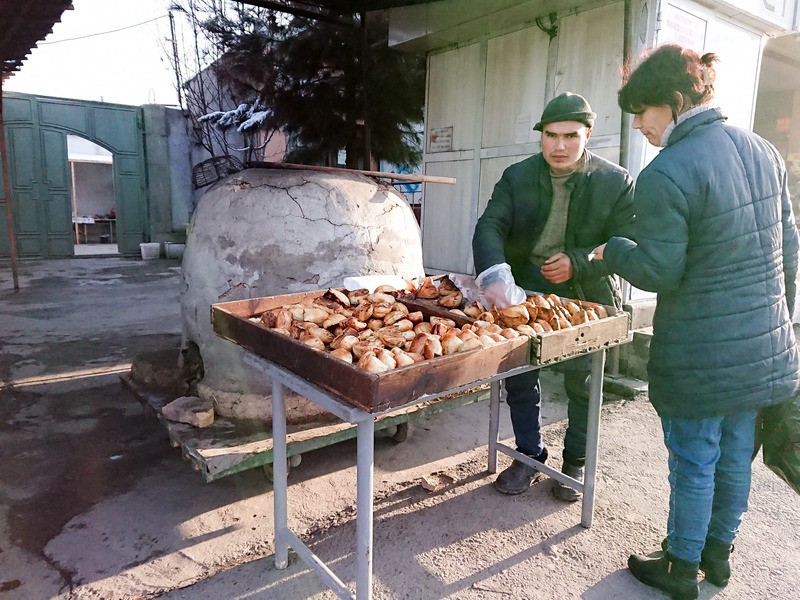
(96, 504)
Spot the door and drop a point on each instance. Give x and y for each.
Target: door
(40, 189)
(25, 178)
(55, 194)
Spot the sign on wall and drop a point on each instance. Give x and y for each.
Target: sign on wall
(778, 12)
(441, 139)
(682, 27)
(523, 128)
(738, 49)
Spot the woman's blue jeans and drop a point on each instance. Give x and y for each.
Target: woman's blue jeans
(524, 399)
(709, 479)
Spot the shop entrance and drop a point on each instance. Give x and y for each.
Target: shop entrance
(94, 215)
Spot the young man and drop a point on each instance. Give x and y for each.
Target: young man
(546, 214)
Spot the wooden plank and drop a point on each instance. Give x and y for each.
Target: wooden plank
(229, 446)
(581, 339)
(516, 76)
(221, 460)
(381, 174)
(456, 82)
(448, 219)
(593, 74)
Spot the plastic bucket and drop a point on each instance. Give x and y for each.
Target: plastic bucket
(150, 250)
(173, 250)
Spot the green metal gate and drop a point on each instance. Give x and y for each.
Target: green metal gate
(36, 137)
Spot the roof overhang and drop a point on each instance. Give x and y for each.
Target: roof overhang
(335, 11)
(24, 23)
(449, 22)
(337, 7)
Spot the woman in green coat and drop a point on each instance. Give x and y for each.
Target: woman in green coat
(717, 241)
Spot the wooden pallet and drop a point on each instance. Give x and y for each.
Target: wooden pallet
(229, 446)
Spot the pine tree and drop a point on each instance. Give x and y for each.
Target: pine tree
(326, 86)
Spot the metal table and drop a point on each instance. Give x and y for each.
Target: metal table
(284, 538)
(81, 224)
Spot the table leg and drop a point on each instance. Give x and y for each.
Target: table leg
(592, 437)
(364, 506)
(280, 474)
(494, 424)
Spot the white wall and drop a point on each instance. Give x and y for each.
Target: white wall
(93, 188)
(739, 48)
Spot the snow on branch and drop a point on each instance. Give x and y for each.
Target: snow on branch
(246, 117)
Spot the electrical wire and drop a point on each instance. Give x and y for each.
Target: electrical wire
(83, 37)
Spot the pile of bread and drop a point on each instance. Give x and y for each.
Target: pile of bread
(541, 313)
(377, 332)
(446, 293)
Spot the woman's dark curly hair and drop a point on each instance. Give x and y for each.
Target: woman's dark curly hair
(662, 72)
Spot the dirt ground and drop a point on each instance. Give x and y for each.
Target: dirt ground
(95, 504)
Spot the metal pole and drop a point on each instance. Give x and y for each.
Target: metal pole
(74, 205)
(364, 509)
(626, 126)
(628, 44)
(494, 424)
(176, 59)
(365, 85)
(592, 437)
(12, 243)
(280, 474)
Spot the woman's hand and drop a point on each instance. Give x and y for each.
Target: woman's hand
(597, 253)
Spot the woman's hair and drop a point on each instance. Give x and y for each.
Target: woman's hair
(662, 72)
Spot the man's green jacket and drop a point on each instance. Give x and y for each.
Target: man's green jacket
(601, 206)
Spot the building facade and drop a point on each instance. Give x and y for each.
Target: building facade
(492, 67)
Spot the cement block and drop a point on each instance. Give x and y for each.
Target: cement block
(633, 357)
(190, 409)
(641, 312)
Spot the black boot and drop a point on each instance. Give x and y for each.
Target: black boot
(675, 576)
(518, 477)
(565, 493)
(715, 562)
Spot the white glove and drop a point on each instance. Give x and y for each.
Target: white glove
(498, 287)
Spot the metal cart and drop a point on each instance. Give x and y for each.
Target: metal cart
(362, 399)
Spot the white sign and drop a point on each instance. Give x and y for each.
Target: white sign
(523, 129)
(441, 139)
(683, 28)
(778, 12)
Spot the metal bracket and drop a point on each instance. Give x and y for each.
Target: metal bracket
(552, 30)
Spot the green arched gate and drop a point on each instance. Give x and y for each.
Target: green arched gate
(36, 137)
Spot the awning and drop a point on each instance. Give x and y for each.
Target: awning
(26, 22)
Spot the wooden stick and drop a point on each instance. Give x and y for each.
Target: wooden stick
(399, 176)
(12, 244)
